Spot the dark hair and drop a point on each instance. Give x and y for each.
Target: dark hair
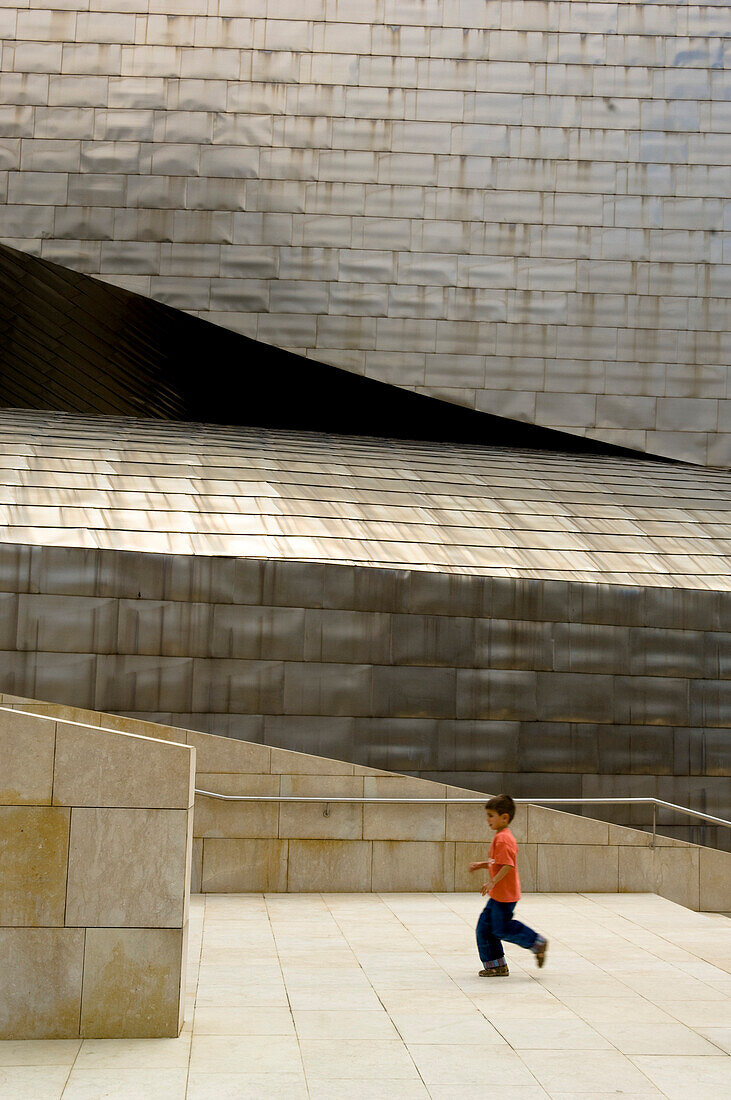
(502, 804)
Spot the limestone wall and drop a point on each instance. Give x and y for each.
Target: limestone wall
(517, 206)
(289, 847)
(95, 859)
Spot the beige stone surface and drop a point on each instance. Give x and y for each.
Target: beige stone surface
(416, 865)
(404, 822)
(332, 865)
(137, 726)
(240, 866)
(401, 786)
(215, 818)
(677, 875)
(145, 850)
(225, 754)
(286, 762)
(96, 767)
(196, 866)
(132, 982)
(636, 869)
(40, 993)
(570, 867)
(620, 834)
(309, 821)
(715, 880)
(464, 823)
(57, 710)
(26, 759)
(528, 867)
(554, 827)
(465, 854)
(34, 844)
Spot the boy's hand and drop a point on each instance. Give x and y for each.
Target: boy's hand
(476, 866)
(485, 888)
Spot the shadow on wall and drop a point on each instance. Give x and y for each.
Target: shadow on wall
(73, 344)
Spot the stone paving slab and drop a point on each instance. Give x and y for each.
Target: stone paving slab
(364, 996)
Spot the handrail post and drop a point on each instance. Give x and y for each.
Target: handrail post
(654, 824)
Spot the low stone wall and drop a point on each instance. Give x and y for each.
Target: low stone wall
(95, 859)
(240, 847)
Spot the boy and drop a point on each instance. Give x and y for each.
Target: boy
(496, 920)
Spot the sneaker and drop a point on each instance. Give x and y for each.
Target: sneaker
(495, 972)
(540, 953)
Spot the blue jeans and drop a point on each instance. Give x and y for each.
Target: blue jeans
(495, 925)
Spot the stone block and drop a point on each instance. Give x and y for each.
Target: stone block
(468, 823)
(223, 754)
(636, 869)
(244, 866)
(332, 866)
(715, 881)
(26, 759)
(41, 986)
(144, 849)
(547, 826)
(677, 874)
(624, 837)
(215, 818)
(196, 870)
(132, 983)
(285, 762)
(406, 822)
(308, 820)
(98, 767)
(568, 868)
(403, 822)
(412, 866)
(34, 844)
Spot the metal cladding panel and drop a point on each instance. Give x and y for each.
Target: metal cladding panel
(440, 511)
(518, 208)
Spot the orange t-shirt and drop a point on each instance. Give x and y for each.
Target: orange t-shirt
(504, 852)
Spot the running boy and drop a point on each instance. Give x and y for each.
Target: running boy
(496, 919)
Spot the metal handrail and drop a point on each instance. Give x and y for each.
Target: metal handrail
(363, 800)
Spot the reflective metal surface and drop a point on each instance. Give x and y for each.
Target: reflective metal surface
(520, 208)
(187, 489)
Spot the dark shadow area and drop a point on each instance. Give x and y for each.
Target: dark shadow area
(70, 343)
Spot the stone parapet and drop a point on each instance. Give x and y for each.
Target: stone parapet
(241, 847)
(95, 858)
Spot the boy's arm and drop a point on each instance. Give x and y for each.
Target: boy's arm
(481, 865)
(499, 876)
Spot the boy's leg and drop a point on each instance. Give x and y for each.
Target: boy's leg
(514, 931)
(489, 947)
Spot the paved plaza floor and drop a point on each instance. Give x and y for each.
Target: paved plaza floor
(369, 997)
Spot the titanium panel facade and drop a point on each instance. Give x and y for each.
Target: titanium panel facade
(162, 487)
(517, 207)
